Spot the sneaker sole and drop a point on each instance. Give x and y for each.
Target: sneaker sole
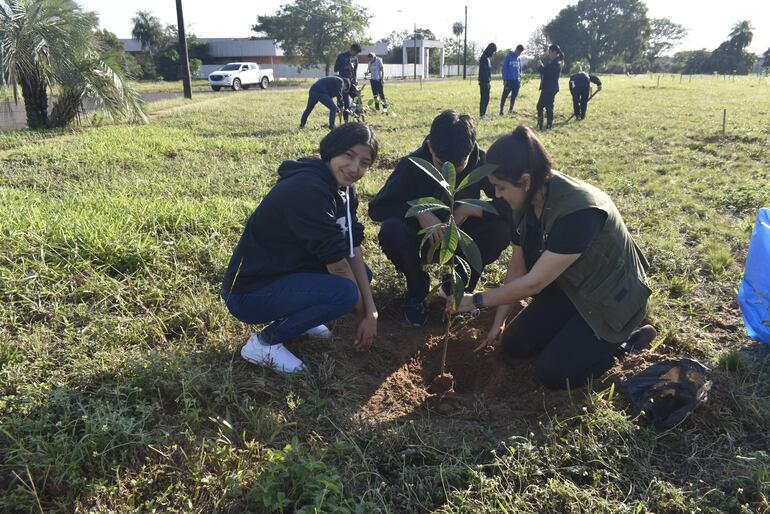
(272, 365)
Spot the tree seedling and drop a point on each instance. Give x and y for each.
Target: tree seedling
(452, 242)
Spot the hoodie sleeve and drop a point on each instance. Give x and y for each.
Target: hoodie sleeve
(506, 67)
(339, 63)
(595, 80)
(400, 188)
(312, 220)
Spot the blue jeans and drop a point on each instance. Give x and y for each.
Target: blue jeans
(293, 304)
(312, 99)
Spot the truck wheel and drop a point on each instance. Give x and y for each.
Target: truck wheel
(216, 88)
(236, 84)
(264, 82)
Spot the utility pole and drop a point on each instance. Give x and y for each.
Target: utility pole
(465, 44)
(184, 61)
(414, 46)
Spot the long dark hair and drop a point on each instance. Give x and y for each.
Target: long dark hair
(518, 153)
(345, 137)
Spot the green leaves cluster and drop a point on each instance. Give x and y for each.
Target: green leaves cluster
(453, 237)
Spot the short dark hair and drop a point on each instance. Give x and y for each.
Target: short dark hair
(519, 48)
(555, 48)
(452, 136)
(355, 47)
(345, 137)
(518, 153)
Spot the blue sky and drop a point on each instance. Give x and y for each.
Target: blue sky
(505, 23)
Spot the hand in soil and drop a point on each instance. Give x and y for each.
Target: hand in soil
(466, 304)
(366, 332)
(489, 342)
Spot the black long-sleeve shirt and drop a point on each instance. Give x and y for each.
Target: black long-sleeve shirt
(549, 75)
(408, 182)
(582, 80)
(346, 66)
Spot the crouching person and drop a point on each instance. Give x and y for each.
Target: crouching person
(573, 255)
(324, 90)
(298, 264)
(452, 138)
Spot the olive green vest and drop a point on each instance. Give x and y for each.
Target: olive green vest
(607, 284)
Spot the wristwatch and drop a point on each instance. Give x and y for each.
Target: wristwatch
(478, 303)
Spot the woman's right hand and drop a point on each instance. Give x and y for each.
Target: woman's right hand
(494, 332)
(428, 219)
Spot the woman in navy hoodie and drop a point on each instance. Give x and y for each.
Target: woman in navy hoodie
(298, 263)
(549, 84)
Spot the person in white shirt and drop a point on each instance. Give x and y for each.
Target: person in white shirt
(376, 75)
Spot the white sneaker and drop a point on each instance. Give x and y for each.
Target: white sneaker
(319, 332)
(485, 118)
(276, 355)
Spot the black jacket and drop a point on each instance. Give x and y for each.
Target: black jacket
(582, 81)
(346, 65)
(300, 226)
(549, 75)
(485, 64)
(331, 86)
(408, 182)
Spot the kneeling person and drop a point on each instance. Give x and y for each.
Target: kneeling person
(323, 91)
(452, 139)
(298, 263)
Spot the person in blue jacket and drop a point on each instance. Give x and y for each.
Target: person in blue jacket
(511, 77)
(323, 91)
(298, 263)
(549, 84)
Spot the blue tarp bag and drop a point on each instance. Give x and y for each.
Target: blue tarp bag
(754, 292)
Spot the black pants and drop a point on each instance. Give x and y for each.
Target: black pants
(484, 89)
(377, 92)
(545, 103)
(570, 352)
(580, 102)
(400, 243)
(512, 87)
(312, 99)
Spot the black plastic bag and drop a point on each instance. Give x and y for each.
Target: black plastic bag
(668, 391)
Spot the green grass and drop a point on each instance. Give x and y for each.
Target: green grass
(162, 86)
(121, 388)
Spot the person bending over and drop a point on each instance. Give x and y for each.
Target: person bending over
(580, 88)
(323, 91)
(298, 264)
(452, 138)
(573, 255)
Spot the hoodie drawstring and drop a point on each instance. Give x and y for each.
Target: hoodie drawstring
(350, 221)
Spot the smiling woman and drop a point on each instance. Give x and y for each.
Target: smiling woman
(298, 263)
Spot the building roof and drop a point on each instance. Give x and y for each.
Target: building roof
(226, 46)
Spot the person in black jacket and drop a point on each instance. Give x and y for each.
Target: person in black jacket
(298, 263)
(580, 87)
(346, 66)
(549, 84)
(452, 139)
(485, 79)
(323, 91)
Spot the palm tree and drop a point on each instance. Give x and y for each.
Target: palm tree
(49, 45)
(742, 34)
(457, 29)
(148, 30)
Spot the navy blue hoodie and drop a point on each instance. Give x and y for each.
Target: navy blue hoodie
(300, 226)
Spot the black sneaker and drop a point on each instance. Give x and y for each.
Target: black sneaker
(415, 311)
(639, 339)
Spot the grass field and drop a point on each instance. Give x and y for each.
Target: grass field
(121, 386)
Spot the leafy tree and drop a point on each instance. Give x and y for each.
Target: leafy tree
(148, 30)
(664, 36)
(112, 51)
(51, 44)
(731, 56)
(599, 30)
(537, 47)
(742, 34)
(317, 30)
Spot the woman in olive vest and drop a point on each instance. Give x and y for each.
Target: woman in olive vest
(574, 256)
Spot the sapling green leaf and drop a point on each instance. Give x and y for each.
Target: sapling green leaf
(476, 175)
(481, 204)
(464, 265)
(458, 288)
(432, 172)
(449, 242)
(426, 204)
(450, 174)
(471, 251)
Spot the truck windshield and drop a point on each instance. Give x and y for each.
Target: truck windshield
(230, 67)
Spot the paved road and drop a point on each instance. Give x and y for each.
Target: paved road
(12, 115)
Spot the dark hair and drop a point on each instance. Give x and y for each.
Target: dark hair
(355, 47)
(490, 49)
(452, 136)
(345, 137)
(518, 153)
(519, 48)
(555, 48)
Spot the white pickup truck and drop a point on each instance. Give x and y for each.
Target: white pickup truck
(240, 75)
